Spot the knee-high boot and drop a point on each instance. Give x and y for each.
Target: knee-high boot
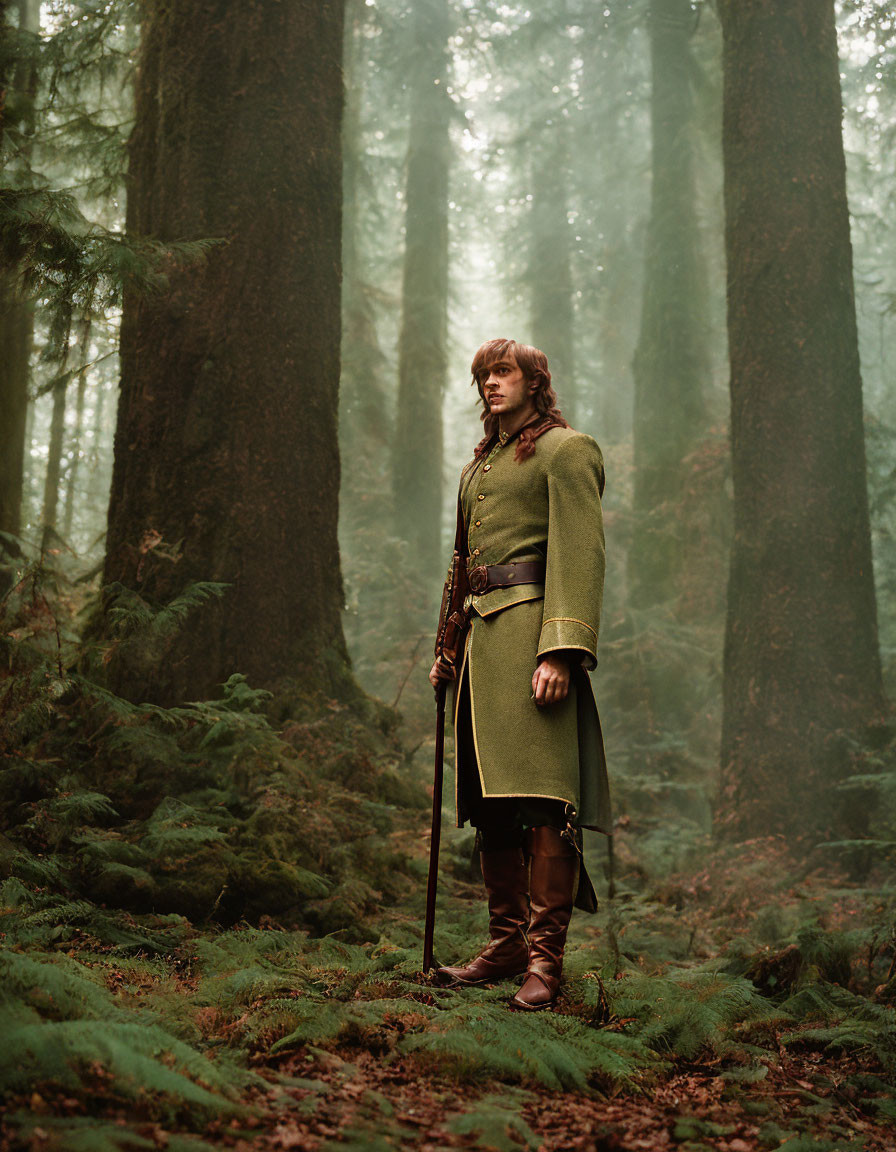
(554, 872)
(507, 884)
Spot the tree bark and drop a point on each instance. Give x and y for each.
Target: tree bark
(16, 312)
(71, 480)
(671, 362)
(16, 327)
(422, 354)
(226, 441)
(369, 557)
(801, 656)
(54, 454)
(364, 423)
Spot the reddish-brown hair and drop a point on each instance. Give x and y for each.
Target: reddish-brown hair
(534, 366)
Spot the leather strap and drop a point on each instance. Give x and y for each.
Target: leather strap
(485, 577)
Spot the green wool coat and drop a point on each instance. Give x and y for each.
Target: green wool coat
(546, 507)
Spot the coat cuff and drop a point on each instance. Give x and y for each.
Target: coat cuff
(564, 632)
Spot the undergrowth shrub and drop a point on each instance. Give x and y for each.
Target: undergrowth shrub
(203, 809)
(689, 1011)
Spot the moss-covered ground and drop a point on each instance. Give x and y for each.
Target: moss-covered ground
(745, 1006)
(212, 928)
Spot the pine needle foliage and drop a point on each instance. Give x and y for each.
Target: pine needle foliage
(75, 266)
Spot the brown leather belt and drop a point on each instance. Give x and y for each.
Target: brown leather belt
(484, 577)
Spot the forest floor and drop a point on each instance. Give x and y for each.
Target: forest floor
(733, 999)
(678, 1028)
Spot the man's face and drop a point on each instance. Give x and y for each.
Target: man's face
(506, 389)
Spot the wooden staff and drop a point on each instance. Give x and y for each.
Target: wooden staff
(435, 837)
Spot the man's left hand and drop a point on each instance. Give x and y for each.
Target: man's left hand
(550, 684)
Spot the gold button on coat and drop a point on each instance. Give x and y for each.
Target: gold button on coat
(481, 496)
(487, 468)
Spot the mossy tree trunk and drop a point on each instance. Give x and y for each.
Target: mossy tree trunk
(226, 442)
(422, 354)
(671, 362)
(801, 656)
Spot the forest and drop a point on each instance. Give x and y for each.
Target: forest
(247, 252)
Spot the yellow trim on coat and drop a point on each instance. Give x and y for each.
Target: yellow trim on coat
(458, 688)
(566, 648)
(473, 725)
(567, 620)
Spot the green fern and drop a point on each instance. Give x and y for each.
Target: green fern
(46, 871)
(684, 1012)
(72, 809)
(131, 1054)
(130, 616)
(60, 1021)
(844, 1021)
(478, 1039)
(62, 988)
(87, 1134)
(78, 1134)
(494, 1122)
(178, 830)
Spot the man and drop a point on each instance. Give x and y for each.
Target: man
(530, 768)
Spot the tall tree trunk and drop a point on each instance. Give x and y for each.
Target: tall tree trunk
(54, 454)
(97, 471)
(610, 160)
(16, 312)
(422, 356)
(364, 423)
(671, 361)
(71, 480)
(365, 427)
(801, 656)
(550, 267)
(16, 327)
(226, 442)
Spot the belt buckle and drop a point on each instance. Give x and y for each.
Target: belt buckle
(478, 577)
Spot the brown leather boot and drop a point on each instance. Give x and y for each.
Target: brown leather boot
(554, 872)
(507, 884)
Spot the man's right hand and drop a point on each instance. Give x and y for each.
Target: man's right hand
(440, 671)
